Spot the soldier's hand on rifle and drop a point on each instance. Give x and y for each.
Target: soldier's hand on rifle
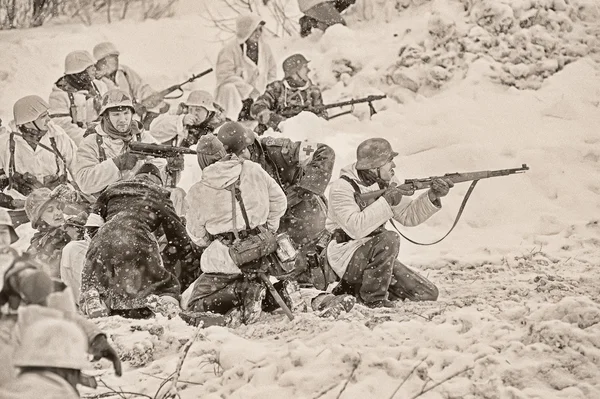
(191, 120)
(152, 100)
(125, 161)
(439, 188)
(393, 195)
(175, 163)
(100, 348)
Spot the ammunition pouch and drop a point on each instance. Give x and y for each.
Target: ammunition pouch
(25, 183)
(321, 273)
(253, 247)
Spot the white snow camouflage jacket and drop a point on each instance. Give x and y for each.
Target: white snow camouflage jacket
(93, 176)
(345, 213)
(211, 209)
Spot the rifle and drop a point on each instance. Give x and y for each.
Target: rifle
(164, 93)
(295, 110)
(366, 199)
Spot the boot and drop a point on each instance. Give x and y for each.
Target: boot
(384, 303)
(253, 299)
(206, 319)
(290, 293)
(92, 305)
(331, 305)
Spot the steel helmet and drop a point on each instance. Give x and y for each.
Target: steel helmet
(104, 49)
(5, 220)
(36, 202)
(78, 61)
(28, 109)
(115, 98)
(201, 98)
(374, 153)
(293, 63)
(235, 137)
(52, 342)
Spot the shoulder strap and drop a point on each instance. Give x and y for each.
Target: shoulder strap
(11, 161)
(58, 155)
(236, 194)
(73, 109)
(101, 152)
(352, 183)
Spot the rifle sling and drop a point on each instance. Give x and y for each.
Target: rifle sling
(458, 215)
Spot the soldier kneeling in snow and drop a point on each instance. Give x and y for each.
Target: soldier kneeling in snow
(24, 285)
(363, 253)
(288, 97)
(124, 273)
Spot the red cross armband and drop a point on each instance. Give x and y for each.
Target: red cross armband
(306, 152)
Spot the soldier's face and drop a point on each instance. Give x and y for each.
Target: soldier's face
(41, 123)
(386, 172)
(199, 112)
(256, 34)
(91, 71)
(303, 72)
(107, 65)
(4, 236)
(121, 120)
(53, 214)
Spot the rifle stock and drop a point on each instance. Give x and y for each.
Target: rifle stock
(367, 199)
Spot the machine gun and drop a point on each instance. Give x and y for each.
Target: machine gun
(295, 110)
(365, 199)
(160, 151)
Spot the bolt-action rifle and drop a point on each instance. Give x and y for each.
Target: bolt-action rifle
(367, 199)
(149, 102)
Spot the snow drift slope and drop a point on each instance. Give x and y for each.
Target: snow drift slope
(518, 277)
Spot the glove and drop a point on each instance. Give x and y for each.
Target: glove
(100, 348)
(439, 188)
(191, 120)
(64, 193)
(175, 163)
(275, 120)
(125, 161)
(393, 196)
(26, 183)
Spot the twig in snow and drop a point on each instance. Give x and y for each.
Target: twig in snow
(173, 391)
(350, 377)
(169, 378)
(114, 392)
(424, 391)
(407, 377)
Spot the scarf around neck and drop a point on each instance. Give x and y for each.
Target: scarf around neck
(113, 133)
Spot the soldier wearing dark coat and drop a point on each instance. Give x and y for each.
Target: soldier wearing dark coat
(123, 262)
(288, 97)
(303, 170)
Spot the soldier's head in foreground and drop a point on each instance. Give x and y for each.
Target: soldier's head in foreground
(375, 160)
(236, 139)
(210, 150)
(43, 209)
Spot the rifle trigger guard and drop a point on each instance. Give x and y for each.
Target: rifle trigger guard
(174, 97)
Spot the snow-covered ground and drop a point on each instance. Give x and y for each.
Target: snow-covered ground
(518, 277)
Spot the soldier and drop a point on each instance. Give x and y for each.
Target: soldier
(123, 263)
(50, 358)
(321, 14)
(363, 253)
(244, 68)
(45, 211)
(303, 170)
(288, 97)
(236, 200)
(148, 103)
(197, 116)
(24, 285)
(38, 154)
(75, 97)
(102, 157)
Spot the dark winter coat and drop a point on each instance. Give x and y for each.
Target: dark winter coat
(293, 165)
(47, 245)
(124, 262)
(283, 98)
